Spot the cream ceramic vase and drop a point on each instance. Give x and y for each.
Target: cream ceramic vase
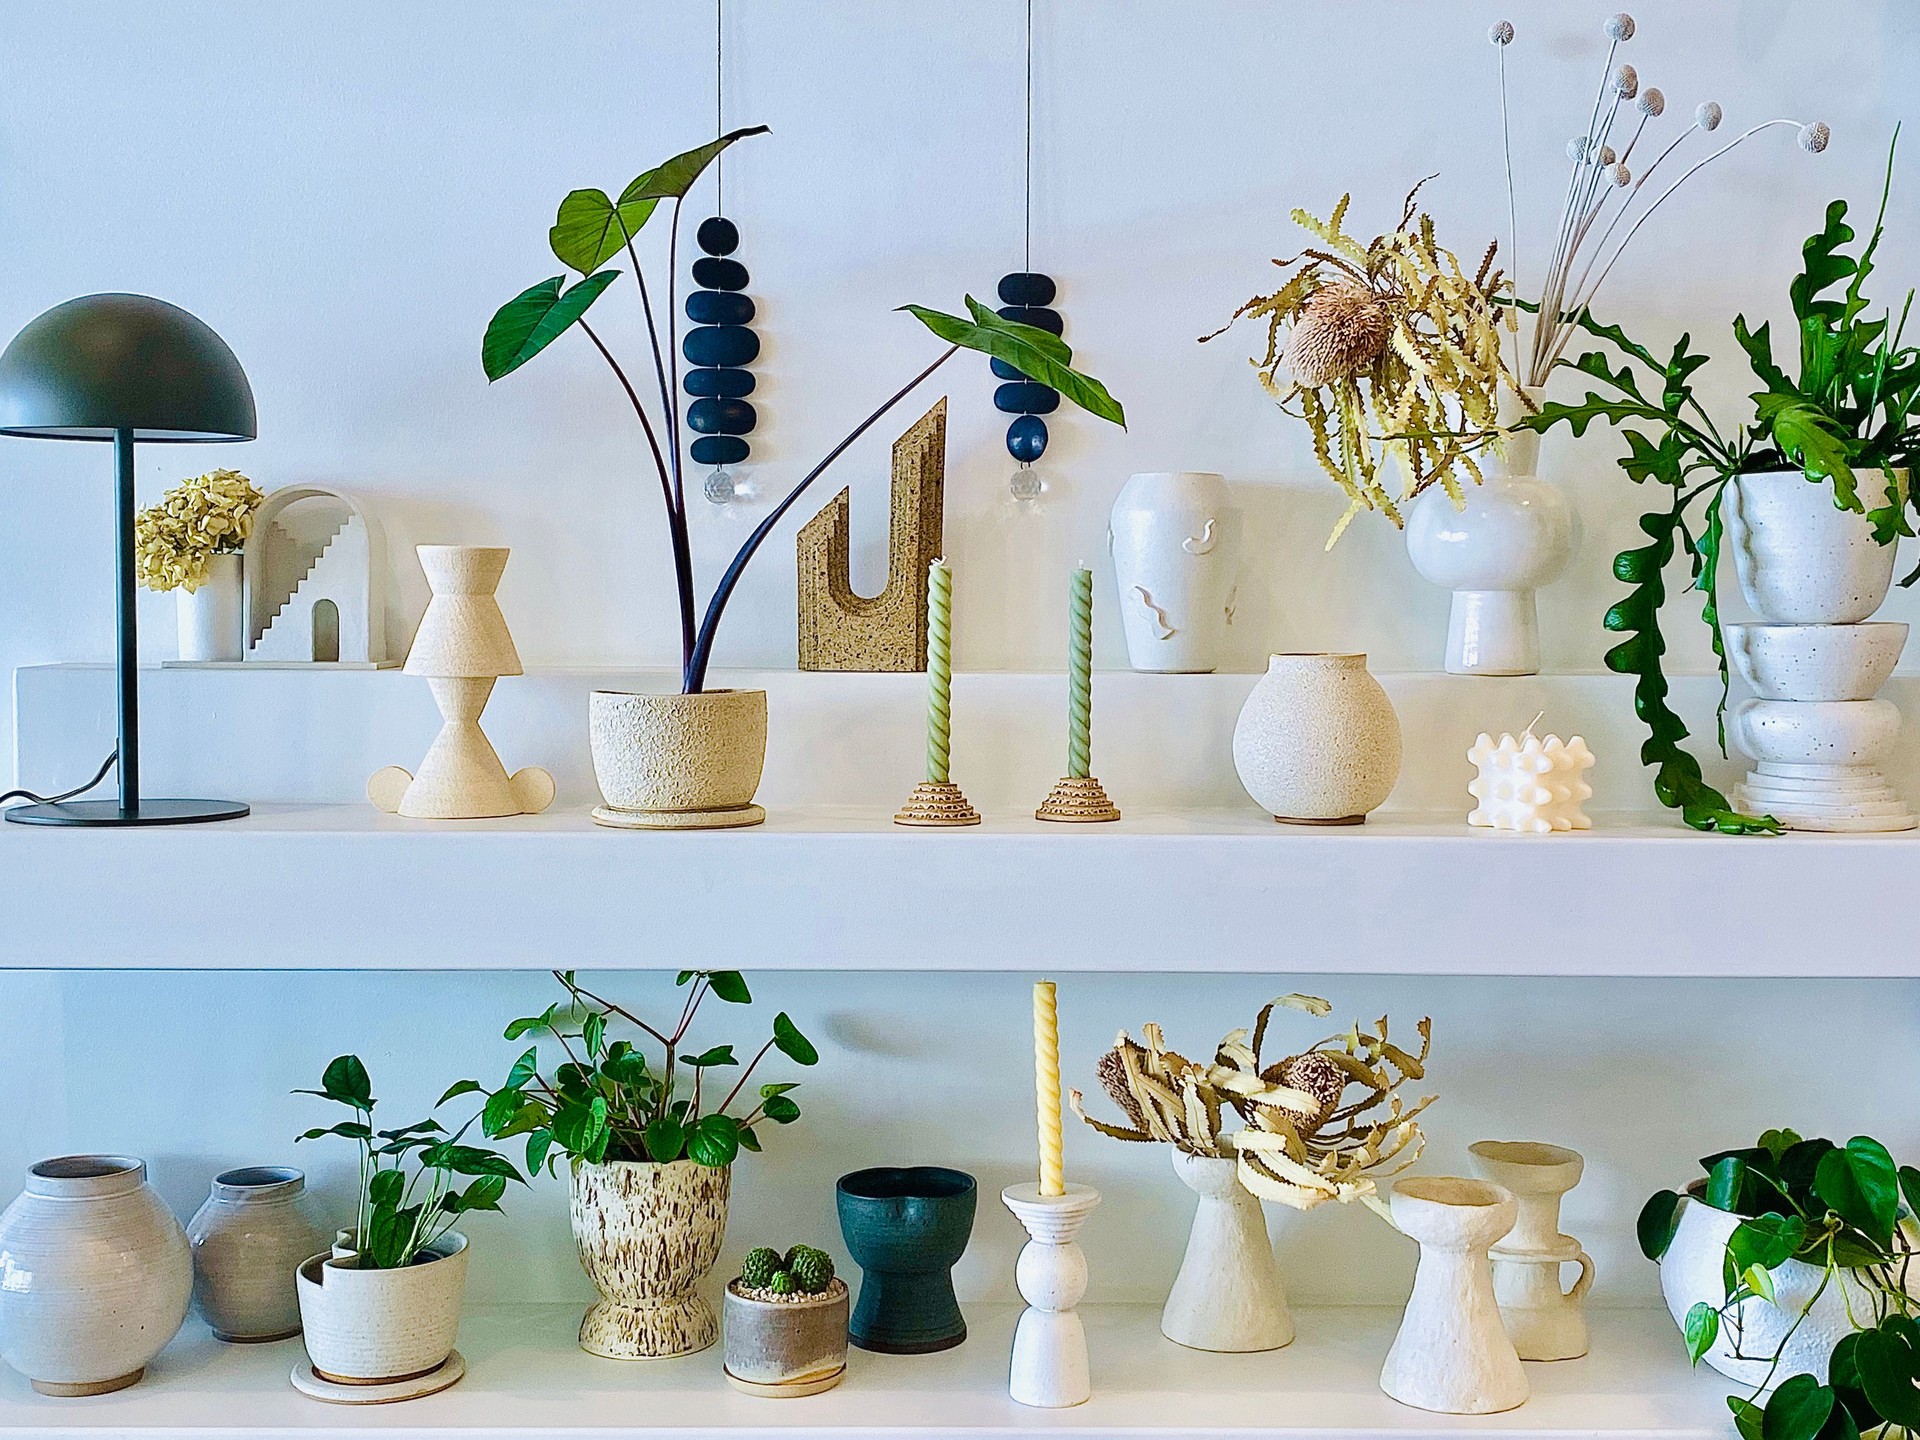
(1513, 535)
(1317, 742)
(212, 619)
(364, 1326)
(1228, 1294)
(1452, 1354)
(678, 762)
(248, 1239)
(1544, 1321)
(1172, 535)
(1801, 559)
(647, 1235)
(95, 1275)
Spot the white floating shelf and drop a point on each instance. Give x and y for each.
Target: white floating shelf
(822, 889)
(527, 1378)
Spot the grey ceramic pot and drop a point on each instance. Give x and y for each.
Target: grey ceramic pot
(907, 1228)
(790, 1346)
(248, 1239)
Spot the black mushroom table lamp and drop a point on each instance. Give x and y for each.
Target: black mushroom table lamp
(129, 369)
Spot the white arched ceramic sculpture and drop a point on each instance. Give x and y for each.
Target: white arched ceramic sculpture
(313, 582)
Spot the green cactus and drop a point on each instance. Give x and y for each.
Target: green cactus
(758, 1269)
(812, 1270)
(783, 1283)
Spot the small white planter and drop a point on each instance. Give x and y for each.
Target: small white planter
(368, 1327)
(1815, 662)
(678, 762)
(1173, 537)
(788, 1346)
(1228, 1295)
(213, 618)
(1317, 742)
(1802, 560)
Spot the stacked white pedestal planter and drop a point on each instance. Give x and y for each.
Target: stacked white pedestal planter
(1814, 575)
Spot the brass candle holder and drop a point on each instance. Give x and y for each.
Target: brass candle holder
(935, 803)
(1077, 800)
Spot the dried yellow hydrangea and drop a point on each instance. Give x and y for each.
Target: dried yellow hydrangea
(1393, 351)
(208, 515)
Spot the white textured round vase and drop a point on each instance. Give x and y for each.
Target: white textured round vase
(1317, 742)
(1801, 559)
(248, 1239)
(364, 1326)
(647, 1236)
(1452, 1354)
(678, 762)
(212, 618)
(1228, 1295)
(1173, 537)
(95, 1275)
(1815, 662)
(1513, 534)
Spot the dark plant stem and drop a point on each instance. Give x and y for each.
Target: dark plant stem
(612, 1009)
(673, 363)
(696, 675)
(639, 410)
(745, 1075)
(670, 417)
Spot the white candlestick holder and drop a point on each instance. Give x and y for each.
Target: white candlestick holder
(1050, 1345)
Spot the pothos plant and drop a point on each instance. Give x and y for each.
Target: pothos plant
(1851, 410)
(410, 1193)
(1843, 1209)
(592, 229)
(610, 1100)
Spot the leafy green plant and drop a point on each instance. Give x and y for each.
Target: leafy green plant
(410, 1193)
(609, 1100)
(1839, 1208)
(803, 1270)
(592, 229)
(1850, 410)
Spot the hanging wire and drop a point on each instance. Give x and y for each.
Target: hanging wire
(719, 129)
(1027, 221)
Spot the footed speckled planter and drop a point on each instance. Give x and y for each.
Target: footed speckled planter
(647, 1235)
(678, 762)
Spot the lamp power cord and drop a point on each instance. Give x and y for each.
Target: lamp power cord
(98, 775)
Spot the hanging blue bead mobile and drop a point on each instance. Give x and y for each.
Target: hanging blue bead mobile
(1027, 297)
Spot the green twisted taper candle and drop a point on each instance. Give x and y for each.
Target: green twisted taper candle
(1080, 675)
(939, 668)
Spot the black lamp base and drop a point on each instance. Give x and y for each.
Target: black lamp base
(108, 812)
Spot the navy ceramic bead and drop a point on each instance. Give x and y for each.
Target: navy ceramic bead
(1037, 316)
(727, 384)
(1003, 371)
(1027, 439)
(712, 273)
(719, 450)
(720, 417)
(1024, 397)
(1024, 287)
(720, 345)
(719, 236)
(719, 307)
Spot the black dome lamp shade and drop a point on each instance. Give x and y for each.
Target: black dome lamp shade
(125, 369)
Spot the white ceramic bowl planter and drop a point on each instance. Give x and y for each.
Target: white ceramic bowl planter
(373, 1327)
(678, 762)
(1228, 1295)
(1173, 538)
(1317, 742)
(1801, 559)
(647, 1236)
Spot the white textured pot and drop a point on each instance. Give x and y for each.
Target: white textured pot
(1816, 732)
(1173, 537)
(212, 619)
(248, 1239)
(95, 1275)
(678, 762)
(364, 1326)
(1513, 535)
(1452, 1354)
(1544, 1321)
(1317, 742)
(786, 1347)
(1228, 1294)
(1801, 559)
(1815, 662)
(647, 1235)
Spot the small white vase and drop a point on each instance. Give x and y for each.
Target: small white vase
(1317, 742)
(1452, 1354)
(95, 1275)
(1513, 535)
(1544, 1321)
(1173, 537)
(248, 1239)
(1801, 559)
(213, 619)
(647, 1235)
(364, 1326)
(1228, 1295)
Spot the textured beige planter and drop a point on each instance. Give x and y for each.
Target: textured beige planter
(788, 1345)
(371, 1327)
(678, 762)
(1317, 742)
(647, 1235)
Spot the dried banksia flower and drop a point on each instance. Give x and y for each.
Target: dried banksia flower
(1620, 27)
(1651, 102)
(1501, 32)
(1340, 333)
(1814, 137)
(1626, 82)
(1112, 1071)
(1707, 115)
(1315, 1075)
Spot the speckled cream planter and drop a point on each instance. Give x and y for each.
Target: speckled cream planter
(1317, 742)
(788, 1346)
(372, 1327)
(647, 1235)
(678, 762)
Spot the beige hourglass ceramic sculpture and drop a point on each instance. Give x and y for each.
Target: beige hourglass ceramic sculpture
(462, 648)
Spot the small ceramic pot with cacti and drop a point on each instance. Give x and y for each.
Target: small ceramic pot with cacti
(786, 1323)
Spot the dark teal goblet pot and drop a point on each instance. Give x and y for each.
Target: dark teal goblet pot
(906, 1229)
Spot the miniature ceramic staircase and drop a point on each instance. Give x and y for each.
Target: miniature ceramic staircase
(272, 644)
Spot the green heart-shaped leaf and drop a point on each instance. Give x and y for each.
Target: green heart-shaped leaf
(1035, 353)
(671, 179)
(590, 229)
(533, 320)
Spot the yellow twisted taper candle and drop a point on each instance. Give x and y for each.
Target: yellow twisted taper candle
(939, 668)
(1046, 1084)
(1080, 675)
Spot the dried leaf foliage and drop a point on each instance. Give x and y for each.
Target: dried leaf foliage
(1391, 352)
(1323, 1124)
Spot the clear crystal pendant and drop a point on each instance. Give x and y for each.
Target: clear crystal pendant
(727, 487)
(1026, 486)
